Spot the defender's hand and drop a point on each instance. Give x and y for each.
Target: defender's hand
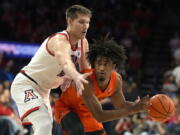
(79, 80)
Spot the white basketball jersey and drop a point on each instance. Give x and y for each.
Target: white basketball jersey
(44, 68)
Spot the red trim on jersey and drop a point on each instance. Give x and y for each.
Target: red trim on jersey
(82, 48)
(30, 111)
(51, 53)
(48, 49)
(68, 34)
(26, 123)
(74, 48)
(64, 35)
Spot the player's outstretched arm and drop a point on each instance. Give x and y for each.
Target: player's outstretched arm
(119, 101)
(94, 106)
(60, 46)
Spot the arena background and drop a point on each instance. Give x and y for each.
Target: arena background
(148, 29)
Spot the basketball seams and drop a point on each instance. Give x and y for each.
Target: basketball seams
(161, 108)
(171, 105)
(162, 104)
(158, 111)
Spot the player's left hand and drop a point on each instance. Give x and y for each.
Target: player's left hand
(141, 104)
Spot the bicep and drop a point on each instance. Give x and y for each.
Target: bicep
(59, 45)
(118, 99)
(60, 48)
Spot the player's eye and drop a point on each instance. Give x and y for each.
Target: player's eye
(82, 22)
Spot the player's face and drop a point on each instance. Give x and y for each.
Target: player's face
(80, 25)
(103, 68)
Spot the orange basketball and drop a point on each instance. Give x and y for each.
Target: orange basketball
(161, 107)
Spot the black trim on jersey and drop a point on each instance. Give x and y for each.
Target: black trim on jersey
(23, 72)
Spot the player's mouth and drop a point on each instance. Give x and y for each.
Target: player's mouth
(102, 74)
(84, 32)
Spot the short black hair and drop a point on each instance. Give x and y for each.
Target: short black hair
(108, 48)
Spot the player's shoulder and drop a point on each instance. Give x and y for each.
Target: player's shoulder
(118, 75)
(59, 36)
(119, 81)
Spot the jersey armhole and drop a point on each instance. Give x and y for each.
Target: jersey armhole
(51, 53)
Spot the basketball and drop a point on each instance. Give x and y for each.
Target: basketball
(161, 107)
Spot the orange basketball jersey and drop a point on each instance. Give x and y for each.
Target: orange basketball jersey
(69, 101)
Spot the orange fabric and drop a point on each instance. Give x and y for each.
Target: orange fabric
(60, 110)
(64, 132)
(69, 101)
(103, 134)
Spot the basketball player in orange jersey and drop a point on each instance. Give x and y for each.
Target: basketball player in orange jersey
(31, 87)
(82, 115)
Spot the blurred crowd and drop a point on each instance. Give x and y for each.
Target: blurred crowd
(131, 24)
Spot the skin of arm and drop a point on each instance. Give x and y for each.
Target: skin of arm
(118, 99)
(94, 106)
(84, 64)
(60, 47)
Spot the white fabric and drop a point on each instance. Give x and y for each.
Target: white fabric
(44, 68)
(42, 121)
(18, 88)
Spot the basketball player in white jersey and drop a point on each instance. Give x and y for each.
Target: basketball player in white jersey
(55, 61)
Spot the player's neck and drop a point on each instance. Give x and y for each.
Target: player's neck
(72, 38)
(103, 84)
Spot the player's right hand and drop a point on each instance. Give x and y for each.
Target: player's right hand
(79, 80)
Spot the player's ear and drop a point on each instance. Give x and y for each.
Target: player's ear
(69, 21)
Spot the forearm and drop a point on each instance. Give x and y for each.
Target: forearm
(67, 66)
(128, 104)
(70, 70)
(109, 115)
(101, 115)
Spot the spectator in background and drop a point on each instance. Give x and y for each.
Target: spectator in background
(169, 86)
(9, 123)
(173, 125)
(176, 74)
(6, 72)
(174, 43)
(124, 126)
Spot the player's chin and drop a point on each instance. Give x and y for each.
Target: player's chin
(101, 78)
(83, 36)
